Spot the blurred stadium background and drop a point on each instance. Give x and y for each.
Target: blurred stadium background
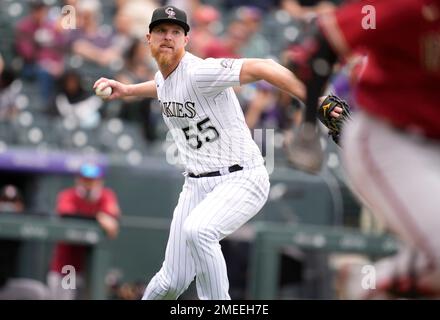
(290, 250)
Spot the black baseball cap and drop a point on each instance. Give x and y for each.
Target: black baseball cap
(169, 14)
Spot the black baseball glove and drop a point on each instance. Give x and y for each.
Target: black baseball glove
(333, 124)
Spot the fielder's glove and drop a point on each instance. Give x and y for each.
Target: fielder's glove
(333, 124)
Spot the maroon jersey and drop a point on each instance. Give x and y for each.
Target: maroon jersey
(401, 80)
(70, 203)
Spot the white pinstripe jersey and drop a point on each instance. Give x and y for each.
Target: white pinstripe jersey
(204, 116)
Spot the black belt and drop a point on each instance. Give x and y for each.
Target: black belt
(233, 168)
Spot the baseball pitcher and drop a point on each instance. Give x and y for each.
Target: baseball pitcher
(226, 182)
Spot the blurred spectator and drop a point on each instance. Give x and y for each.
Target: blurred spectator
(344, 81)
(138, 68)
(303, 9)
(11, 199)
(8, 95)
(257, 46)
(122, 38)
(91, 40)
(73, 102)
(11, 286)
(272, 109)
(189, 6)
(40, 43)
(230, 45)
(88, 199)
(262, 110)
(204, 21)
(264, 5)
(133, 16)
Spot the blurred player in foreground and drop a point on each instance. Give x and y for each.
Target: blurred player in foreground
(391, 148)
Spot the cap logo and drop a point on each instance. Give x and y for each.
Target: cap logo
(170, 12)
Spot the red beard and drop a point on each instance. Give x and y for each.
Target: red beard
(164, 58)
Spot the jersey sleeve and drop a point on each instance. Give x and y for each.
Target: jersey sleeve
(215, 75)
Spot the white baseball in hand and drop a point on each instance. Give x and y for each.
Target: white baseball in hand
(103, 93)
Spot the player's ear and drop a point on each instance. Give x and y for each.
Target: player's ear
(148, 36)
(186, 39)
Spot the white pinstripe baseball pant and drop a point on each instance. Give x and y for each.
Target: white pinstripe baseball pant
(208, 210)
